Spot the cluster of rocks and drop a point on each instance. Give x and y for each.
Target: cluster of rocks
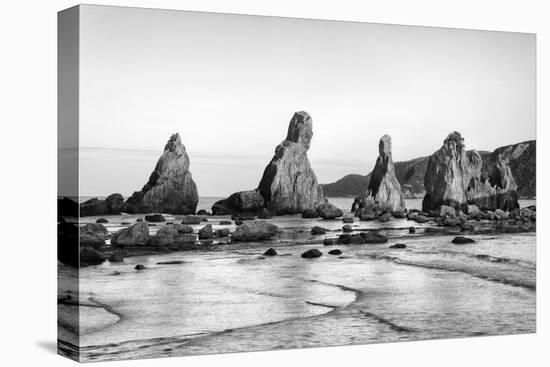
(455, 177)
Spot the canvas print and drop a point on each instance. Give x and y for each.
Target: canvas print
(234, 183)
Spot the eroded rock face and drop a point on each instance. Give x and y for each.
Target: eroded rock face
(455, 176)
(384, 190)
(254, 231)
(170, 188)
(249, 202)
(289, 185)
(137, 234)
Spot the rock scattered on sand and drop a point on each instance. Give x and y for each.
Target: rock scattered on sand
(170, 188)
(155, 218)
(191, 219)
(91, 239)
(102, 220)
(289, 185)
(318, 230)
(398, 245)
(327, 210)
(310, 213)
(347, 228)
(206, 232)
(222, 232)
(183, 228)
(329, 241)
(335, 252)
(140, 267)
(171, 262)
(225, 223)
(459, 240)
(203, 212)
(347, 220)
(137, 234)
(111, 205)
(412, 230)
(90, 256)
(117, 256)
(372, 237)
(385, 217)
(256, 230)
(313, 253)
(270, 252)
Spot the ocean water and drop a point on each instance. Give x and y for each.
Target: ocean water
(231, 298)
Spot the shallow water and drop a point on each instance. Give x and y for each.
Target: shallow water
(234, 299)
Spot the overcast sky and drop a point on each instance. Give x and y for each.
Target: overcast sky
(229, 85)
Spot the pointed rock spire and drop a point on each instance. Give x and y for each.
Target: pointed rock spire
(289, 184)
(170, 188)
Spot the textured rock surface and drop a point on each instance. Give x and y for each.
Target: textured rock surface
(254, 231)
(289, 185)
(383, 185)
(248, 202)
(137, 234)
(111, 205)
(170, 188)
(455, 176)
(329, 211)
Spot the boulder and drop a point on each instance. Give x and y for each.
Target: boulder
(117, 256)
(90, 256)
(140, 267)
(170, 188)
(91, 239)
(183, 228)
(256, 230)
(165, 236)
(223, 232)
(501, 214)
(328, 211)
(445, 211)
(372, 237)
(473, 211)
(288, 184)
(203, 212)
(155, 218)
(459, 240)
(399, 246)
(318, 230)
(313, 253)
(310, 213)
(250, 202)
(344, 239)
(420, 218)
(206, 232)
(347, 228)
(385, 217)
(111, 205)
(225, 223)
(185, 239)
(329, 241)
(348, 220)
(270, 252)
(335, 252)
(412, 230)
(102, 221)
(191, 219)
(398, 214)
(137, 234)
(96, 228)
(455, 177)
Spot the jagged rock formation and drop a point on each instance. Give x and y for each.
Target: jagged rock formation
(170, 188)
(289, 185)
(410, 174)
(455, 177)
(384, 188)
(249, 202)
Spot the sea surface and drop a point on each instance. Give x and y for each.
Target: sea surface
(234, 299)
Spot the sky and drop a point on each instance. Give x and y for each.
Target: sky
(229, 84)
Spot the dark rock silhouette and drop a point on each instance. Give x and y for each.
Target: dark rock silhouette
(170, 188)
(289, 185)
(455, 177)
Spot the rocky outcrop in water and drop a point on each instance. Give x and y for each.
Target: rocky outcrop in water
(456, 177)
(170, 188)
(384, 190)
(243, 202)
(111, 205)
(289, 185)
